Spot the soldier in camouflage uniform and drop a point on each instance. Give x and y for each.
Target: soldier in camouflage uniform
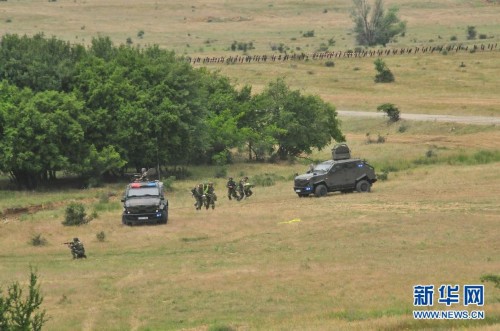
(197, 192)
(231, 189)
(211, 197)
(77, 249)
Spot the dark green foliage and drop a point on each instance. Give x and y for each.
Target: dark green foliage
(38, 240)
(92, 111)
(330, 64)
(483, 36)
(495, 279)
(383, 176)
(22, 313)
(308, 34)
(391, 110)
(295, 122)
(75, 214)
(242, 46)
(101, 236)
(267, 179)
(220, 327)
(471, 32)
(384, 74)
(378, 27)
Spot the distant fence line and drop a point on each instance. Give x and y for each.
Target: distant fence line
(237, 59)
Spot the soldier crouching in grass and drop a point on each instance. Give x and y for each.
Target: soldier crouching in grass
(77, 249)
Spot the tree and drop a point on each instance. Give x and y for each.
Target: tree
(391, 110)
(378, 28)
(18, 313)
(384, 74)
(471, 32)
(301, 122)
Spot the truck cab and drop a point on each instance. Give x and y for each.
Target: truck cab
(144, 203)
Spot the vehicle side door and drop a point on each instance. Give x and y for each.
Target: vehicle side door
(334, 179)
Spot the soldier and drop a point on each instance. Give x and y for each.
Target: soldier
(197, 192)
(241, 189)
(247, 187)
(77, 249)
(231, 189)
(144, 175)
(211, 197)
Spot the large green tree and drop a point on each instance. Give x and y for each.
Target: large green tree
(377, 26)
(301, 122)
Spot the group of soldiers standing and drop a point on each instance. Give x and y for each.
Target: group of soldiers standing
(204, 194)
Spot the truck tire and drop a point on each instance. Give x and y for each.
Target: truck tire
(320, 191)
(363, 186)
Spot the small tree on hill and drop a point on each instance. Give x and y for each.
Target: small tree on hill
(378, 28)
(22, 313)
(391, 110)
(384, 74)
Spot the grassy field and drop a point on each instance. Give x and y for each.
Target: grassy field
(274, 261)
(349, 263)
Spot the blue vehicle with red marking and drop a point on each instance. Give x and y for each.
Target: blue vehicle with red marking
(144, 202)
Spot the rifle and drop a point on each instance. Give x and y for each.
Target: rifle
(67, 243)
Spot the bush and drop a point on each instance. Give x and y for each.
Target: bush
(391, 110)
(471, 32)
(38, 240)
(18, 313)
(267, 179)
(384, 75)
(308, 34)
(101, 236)
(330, 64)
(383, 176)
(75, 215)
(495, 279)
(168, 183)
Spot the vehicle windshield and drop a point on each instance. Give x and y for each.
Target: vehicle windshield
(322, 167)
(143, 191)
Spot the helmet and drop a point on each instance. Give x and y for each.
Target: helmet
(75, 239)
(230, 178)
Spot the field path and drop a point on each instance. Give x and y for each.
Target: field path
(481, 120)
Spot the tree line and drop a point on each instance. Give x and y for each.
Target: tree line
(97, 110)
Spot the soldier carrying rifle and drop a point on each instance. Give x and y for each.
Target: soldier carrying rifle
(77, 249)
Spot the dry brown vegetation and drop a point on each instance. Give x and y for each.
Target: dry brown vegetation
(352, 259)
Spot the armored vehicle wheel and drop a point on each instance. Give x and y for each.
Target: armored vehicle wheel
(320, 191)
(363, 186)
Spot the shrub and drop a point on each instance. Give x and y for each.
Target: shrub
(22, 313)
(383, 176)
(75, 215)
(495, 279)
(384, 75)
(471, 32)
(221, 172)
(483, 36)
(140, 34)
(101, 236)
(453, 38)
(38, 240)
(391, 110)
(402, 128)
(267, 179)
(308, 34)
(168, 183)
(330, 64)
